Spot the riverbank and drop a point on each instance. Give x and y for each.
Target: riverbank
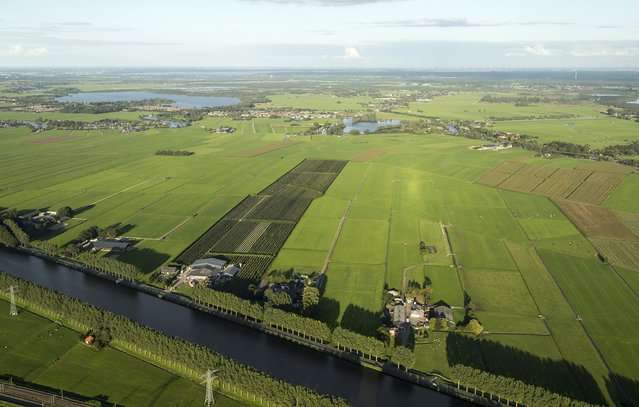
(63, 369)
(413, 377)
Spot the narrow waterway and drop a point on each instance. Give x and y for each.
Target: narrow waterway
(279, 358)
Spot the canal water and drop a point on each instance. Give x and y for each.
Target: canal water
(277, 357)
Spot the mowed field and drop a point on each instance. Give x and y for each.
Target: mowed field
(44, 353)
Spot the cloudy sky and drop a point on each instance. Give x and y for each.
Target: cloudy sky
(321, 33)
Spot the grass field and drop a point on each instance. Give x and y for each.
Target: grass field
(596, 132)
(468, 106)
(44, 353)
(500, 210)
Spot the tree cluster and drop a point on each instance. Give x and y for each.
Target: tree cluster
(170, 352)
(95, 232)
(21, 236)
(109, 265)
(174, 152)
(512, 389)
(402, 356)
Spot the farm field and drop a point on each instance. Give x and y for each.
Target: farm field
(44, 353)
(468, 106)
(524, 232)
(596, 132)
(261, 223)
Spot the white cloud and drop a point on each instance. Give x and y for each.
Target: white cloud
(537, 50)
(351, 53)
(33, 52)
(17, 49)
(21, 50)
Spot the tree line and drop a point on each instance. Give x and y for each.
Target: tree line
(174, 152)
(174, 353)
(512, 389)
(290, 322)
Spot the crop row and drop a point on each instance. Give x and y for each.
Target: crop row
(334, 166)
(206, 241)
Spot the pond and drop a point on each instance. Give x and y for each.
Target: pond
(172, 124)
(183, 101)
(370, 127)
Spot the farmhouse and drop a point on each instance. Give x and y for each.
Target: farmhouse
(442, 312)
(110, 246)
(212, 268)
(399, 314)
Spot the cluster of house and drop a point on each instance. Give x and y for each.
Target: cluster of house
(294, 288)
(493, 146)
(43, 220)
(410, 313)
(225, 130)
(296, 115)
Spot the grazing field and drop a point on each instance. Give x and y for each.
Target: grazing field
(608, 309)
(44, 353)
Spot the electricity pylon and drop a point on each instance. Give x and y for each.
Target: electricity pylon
(208, 382)
(13, 311)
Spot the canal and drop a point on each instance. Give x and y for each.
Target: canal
(279, 358)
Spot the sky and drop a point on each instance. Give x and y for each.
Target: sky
(411, 34)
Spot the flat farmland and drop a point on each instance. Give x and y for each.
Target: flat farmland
(353, 296)
(316, 102)
(593, 289)
(466, 105)
(502, 300)
(44, 353)
(624, 197)
(576, 184)
(596, 132)
(619, 253)
(362, 242)
(596, 221)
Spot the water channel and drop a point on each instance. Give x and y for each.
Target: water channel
(277, 357)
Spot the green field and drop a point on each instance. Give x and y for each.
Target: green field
(518, 251)
(43, 353)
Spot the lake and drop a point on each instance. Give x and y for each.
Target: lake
(636, 102)
(369, 127)
(183, 101)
